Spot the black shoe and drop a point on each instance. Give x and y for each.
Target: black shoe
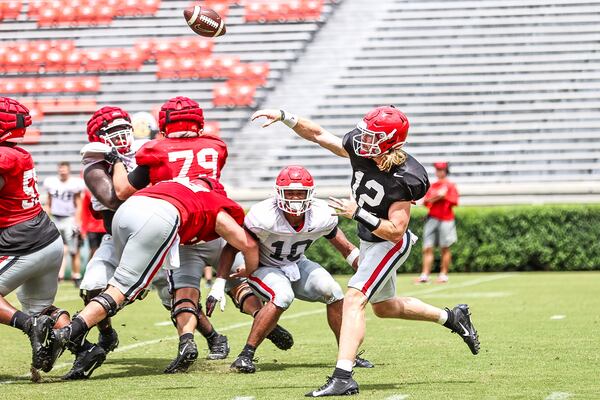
(462, 325)
(243, 364)
(360, 362)
(59, 339)
(335, 387)
(39, 334)
(281, 338)
(186, 356)
(108, 341)
(218, 348)
(86, 362)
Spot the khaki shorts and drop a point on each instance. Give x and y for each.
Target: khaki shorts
(438, 233)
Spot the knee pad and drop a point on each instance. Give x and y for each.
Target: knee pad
(175, 311)
(240, 294)
(108, 303)
(55, 313)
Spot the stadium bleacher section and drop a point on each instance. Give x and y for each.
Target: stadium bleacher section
(507, 91)
(63, 62)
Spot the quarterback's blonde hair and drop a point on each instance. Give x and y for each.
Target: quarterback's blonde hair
(390, 159)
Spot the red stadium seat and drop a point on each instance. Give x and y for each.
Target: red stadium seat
(212, 128)
(32, 136)
(10, 9)
(233, 94)
(254, 73)
(295, 10)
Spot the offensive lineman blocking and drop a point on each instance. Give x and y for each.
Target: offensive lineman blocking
(385, 181)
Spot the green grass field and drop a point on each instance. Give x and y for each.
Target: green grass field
(540, 335)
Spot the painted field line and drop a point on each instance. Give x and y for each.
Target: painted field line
(292, 316)
(166, 338)
(467, 295)
(558, 396)
(556, 317)
(397, 397)
(450, 286)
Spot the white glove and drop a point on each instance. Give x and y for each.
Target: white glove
(216, 295)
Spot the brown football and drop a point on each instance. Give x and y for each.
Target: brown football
(204, 21)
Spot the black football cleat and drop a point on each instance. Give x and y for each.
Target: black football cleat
(86, 362)
(59, 339)
(186, 356)
(108, 341)
(463, 326)
(335, 387)
(39, 335)
(218, 348)
(243, 364)
(360, 362)
(281, 338)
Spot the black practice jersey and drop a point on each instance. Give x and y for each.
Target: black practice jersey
(376, 190)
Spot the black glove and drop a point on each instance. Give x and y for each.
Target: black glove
(113, 156)
(211, 303)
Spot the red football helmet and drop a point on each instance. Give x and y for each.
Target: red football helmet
(382, 129)
(111, 126)
(181, 114)
(14, 120)
(294, 178)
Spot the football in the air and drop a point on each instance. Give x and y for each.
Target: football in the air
(204, 21)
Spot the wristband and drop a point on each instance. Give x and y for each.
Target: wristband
(366, 218)
(353, 256)
(289, 119)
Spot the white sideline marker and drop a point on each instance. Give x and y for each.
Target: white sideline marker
(558, 396)
(397, 397)
(244, 398)
(557, 317)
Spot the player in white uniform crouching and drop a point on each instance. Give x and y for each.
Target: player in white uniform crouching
(285, 226)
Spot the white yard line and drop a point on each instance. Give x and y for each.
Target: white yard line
(397, 397)
(292, 316)
(558, 396)
(557, 317)
(450, 286)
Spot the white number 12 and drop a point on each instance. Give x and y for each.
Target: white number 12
(370, 184)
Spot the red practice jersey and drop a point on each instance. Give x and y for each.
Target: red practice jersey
(19, 197)
(442, 209)
(198, 208)
(191, 158)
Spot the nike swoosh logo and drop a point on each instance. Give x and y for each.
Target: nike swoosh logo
(183, 350)
(398, 175)
(466, 332)
(91, 367)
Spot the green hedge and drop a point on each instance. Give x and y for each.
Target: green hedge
(507, 238)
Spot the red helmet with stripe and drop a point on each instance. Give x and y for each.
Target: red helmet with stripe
(14, 120)
(181, 114)
(291, 181)
(382, 129)
(111, 126)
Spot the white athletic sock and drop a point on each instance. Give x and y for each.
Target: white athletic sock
(346, 365)
(443, 317)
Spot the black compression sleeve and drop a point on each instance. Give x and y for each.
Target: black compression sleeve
(332, 234)
(139, 178)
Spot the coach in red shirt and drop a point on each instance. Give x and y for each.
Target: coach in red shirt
(440, 228)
